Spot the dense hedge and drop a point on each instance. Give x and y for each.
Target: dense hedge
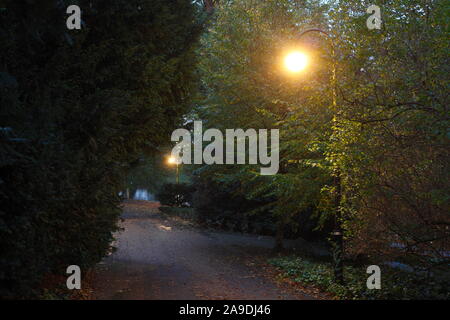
(51, 216)
(176, 194)
(223, 206)
(76, 109)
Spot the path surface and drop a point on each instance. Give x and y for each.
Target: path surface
(160, 258)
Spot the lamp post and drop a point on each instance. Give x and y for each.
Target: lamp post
(171, 161)
(296, 62)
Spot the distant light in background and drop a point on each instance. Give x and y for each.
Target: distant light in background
(171, 160)
(174, 161)
(296, 61)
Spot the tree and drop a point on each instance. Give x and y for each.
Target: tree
(388, 134)
(77, 108)
(245, 87)
(391, 139)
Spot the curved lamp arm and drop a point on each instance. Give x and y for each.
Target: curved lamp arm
(333, 72)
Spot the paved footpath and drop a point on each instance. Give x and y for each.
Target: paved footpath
(159, 258)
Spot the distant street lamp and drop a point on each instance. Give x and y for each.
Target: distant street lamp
(173, 161)
(295, 62)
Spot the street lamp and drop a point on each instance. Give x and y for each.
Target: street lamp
(295, 62)
(172, 161)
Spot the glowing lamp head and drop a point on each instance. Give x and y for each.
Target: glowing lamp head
(296, 61)
(171, 160)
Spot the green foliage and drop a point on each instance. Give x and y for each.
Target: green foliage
(226, 207)
(175, 194)
(245, 86)
(387, 135)
(395, 284)
(77, 109)
(391, 140)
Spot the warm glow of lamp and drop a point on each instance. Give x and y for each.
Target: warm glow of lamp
(171, 160)
(296, 61)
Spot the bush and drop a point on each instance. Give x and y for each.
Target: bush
(176, 194)
(220, 206)
(395, 284)
(50, 217)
